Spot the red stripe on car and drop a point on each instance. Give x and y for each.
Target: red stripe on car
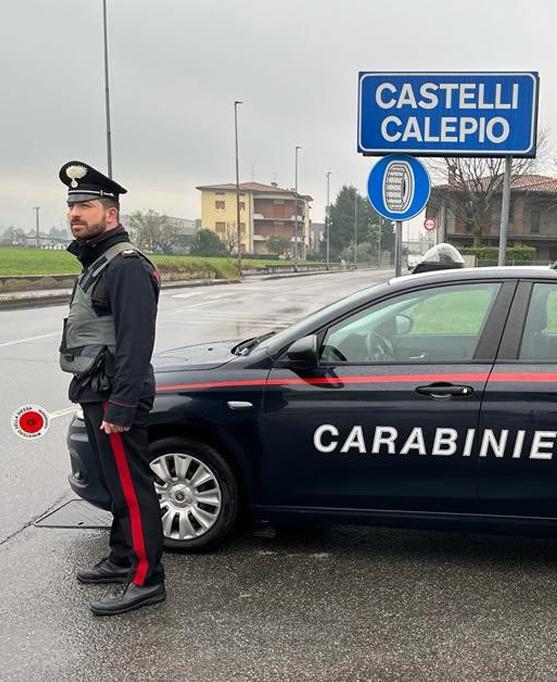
(298, 381)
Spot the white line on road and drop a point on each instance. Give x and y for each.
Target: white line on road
(29, 338)
(62, 413)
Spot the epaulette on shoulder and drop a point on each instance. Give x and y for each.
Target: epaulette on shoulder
(129, 253)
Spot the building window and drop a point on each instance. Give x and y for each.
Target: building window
(219, 194)
(220, 227)
(242, 205)
(278, 201)
(219, 205)
(242, 229)
(535, 221)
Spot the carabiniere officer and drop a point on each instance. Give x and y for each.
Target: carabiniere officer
(107, 345)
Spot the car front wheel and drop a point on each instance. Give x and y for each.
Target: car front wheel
(198, 493)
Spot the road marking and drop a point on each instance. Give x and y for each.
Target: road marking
(29, 338)
(188, 294)
(63, 413)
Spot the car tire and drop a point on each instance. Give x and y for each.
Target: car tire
(176, 462)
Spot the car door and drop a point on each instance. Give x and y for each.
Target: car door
(518, 426)
(384, 419)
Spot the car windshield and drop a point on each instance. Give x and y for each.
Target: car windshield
(302, 326)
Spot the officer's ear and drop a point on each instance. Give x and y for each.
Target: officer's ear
(112, 209)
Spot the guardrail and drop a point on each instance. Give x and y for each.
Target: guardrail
(277, 269)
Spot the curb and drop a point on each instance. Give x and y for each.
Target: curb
(29, 299)
(36, 299)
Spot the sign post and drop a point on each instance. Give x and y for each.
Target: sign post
(398, 248)
(505, 210)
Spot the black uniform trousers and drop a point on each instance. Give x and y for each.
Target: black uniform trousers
(136, 536)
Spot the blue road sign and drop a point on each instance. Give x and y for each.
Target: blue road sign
(448, 114)
(398, 187)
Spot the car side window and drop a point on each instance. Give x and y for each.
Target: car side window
(439, 324)
(539, 338)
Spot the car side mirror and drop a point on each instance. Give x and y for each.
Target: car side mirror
(403, 323)
(303, 352)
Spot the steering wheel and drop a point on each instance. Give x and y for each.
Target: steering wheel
(333, 350)
(379, 348)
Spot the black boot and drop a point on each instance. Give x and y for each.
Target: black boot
(133, 597)
(104, 572)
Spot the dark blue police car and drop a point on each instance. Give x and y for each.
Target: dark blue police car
(427, 401)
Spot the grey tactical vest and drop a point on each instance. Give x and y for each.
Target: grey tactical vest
(86, 336)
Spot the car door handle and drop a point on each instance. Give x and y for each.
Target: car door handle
(445, 391)
(239, 405)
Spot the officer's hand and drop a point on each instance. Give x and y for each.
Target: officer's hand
(108, 428)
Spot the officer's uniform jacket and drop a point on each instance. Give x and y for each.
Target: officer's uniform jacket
(125, 293)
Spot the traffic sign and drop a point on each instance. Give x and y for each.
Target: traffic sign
(448, 114)
(398, 187)
(430, 224)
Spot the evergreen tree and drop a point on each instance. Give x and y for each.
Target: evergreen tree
(207, 243)
(341, 221)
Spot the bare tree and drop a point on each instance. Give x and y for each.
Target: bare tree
(230, 237)
(154, 231)
(475, 185)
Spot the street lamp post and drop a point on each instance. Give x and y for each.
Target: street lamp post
(296, 206)
(37, 209)
(107, 94)
(238, 230)
(355, 227)
(327, 217)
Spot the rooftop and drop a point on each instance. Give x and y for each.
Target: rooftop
(255, 187)
(520, 183)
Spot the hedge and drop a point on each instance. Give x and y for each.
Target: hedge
(518, 252)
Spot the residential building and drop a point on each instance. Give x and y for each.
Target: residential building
(532, 220)
(265, 211)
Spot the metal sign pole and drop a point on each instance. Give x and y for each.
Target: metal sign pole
(505, 206)
(355, 228)
(327, 224)
(398, 248)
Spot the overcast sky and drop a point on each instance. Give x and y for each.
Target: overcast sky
(177, 65)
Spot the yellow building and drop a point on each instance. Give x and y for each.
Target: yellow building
(265, 211)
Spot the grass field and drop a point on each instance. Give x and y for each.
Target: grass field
(44, 262)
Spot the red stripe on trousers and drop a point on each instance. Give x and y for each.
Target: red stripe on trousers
(117, 445)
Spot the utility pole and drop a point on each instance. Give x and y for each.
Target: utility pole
(296, 207)
(107, 94)
(37, 209)
(506, 202)
(327, 217)
(238, 231)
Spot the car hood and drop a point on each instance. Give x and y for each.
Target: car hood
(199, 356)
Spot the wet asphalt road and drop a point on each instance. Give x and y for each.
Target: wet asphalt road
(302, 604)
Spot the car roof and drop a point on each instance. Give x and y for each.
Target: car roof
(503, 272)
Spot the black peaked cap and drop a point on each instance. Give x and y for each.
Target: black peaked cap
(85, 183)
